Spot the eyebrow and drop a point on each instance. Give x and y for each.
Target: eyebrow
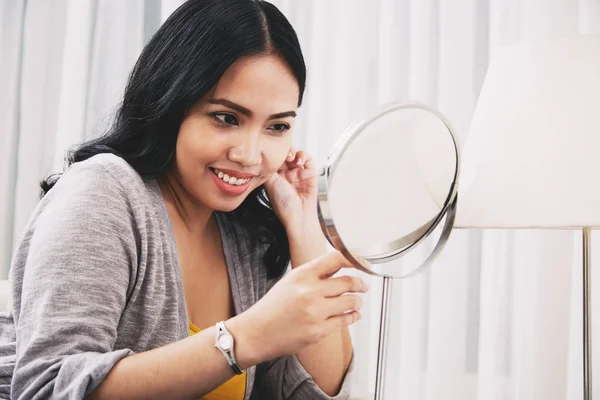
(246, 111)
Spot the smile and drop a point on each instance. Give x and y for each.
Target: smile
(230, 179)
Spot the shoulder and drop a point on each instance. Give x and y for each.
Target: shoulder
(104, 186)
(107, 170)
(115, 166)
(102, 177)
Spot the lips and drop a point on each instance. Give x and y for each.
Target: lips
(231, 185)
(232, 177)
(235, 174)
(232, 180)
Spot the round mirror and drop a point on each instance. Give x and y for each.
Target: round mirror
(387, 185)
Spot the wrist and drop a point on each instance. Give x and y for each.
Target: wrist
(307, 242)
(302, 231)
(248, 347)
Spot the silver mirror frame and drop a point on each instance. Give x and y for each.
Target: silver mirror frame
(397, 248)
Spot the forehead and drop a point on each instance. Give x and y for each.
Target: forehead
(261, 83)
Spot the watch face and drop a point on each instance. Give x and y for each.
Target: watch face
(225, 342)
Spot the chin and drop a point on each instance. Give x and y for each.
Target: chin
(225, 208)
(227, 205)
(219, 202)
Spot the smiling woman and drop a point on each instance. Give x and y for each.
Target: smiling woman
(242, 128)
(153, 267)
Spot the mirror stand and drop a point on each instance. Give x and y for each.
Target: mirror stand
(386, 296)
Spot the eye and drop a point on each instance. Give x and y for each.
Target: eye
(279, 129)
(226, 119)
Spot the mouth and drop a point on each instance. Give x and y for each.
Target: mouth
(229, 184)
(230, 179)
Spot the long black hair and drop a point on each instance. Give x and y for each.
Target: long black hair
(182, 62)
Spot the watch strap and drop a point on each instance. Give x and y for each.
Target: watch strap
(221, 330)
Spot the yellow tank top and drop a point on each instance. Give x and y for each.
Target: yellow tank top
(233, 389)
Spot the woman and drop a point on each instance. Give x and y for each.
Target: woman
(154, 266)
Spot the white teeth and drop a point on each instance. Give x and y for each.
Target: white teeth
(230, 179)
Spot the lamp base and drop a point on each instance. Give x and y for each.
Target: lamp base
(587, 339)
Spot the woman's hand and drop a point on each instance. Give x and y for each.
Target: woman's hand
(293, 192)
(304, 307)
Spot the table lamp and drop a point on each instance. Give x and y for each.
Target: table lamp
(533, 150)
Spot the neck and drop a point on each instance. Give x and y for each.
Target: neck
(195, 217)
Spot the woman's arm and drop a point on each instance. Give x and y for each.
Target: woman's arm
(293, 195)
(187, 369)
(327, 361)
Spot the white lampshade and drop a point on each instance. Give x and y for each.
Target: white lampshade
(532, 156)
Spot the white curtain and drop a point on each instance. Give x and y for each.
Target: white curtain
(497, 317)
(63, 67)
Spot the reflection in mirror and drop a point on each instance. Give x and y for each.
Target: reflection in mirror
(392, 180)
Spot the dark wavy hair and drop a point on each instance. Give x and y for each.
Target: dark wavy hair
(182, 62)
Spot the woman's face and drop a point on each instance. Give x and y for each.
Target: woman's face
(239, 134)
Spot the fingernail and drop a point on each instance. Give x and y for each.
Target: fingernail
(365, 286)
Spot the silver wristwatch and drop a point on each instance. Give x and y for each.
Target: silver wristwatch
(224, 342)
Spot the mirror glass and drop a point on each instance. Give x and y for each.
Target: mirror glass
(391, 180)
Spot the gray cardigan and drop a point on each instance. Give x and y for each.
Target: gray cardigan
(95, 278)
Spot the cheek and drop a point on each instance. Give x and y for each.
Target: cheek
(197, 144)
(276, 153)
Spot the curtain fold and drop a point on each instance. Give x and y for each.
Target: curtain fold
(12, 16)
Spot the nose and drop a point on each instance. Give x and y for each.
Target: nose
(246, 151)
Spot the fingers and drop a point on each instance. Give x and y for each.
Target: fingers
(327, 265)
(291, 155)
(334, 287)
(310, 164)
(343, 304)
(299, 175)
(300, 159)
(344, 311)
(343, 320)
